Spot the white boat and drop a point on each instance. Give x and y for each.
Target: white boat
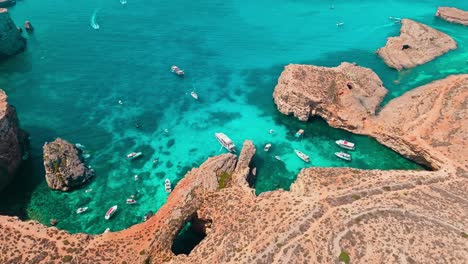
(120, 102)
(194, 95)
(177, 70)
(343, 155)
(107, 230)
(131, 201)
(135, 177)
(278, 157)
(110, 212)
(302, 156)
(123, 2)
(81, 210)
(267, 147)
(86, 156)
(80, 146)
(89, 190)
(340, 24)
(345, 144)
(167, 185)
(226, 142)
(134, 155)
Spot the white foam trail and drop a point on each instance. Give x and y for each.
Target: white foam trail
(123, 2)
(94, 24)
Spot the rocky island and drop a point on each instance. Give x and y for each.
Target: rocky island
(416, 45)
(64, 166)
(453, 15)
(11, 41)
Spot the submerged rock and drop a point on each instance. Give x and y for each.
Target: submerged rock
(13, 141)
(11, 41)
(416, 45)
(64, 165)
(453, 15)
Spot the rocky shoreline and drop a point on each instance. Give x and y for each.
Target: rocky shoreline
(453, 15)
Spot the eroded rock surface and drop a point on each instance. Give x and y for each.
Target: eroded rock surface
(416, 45)
(453, 15)
(64, 166)
(13, 141)
(11, 41)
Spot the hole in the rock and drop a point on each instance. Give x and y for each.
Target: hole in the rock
(350, 85)
(190, 235)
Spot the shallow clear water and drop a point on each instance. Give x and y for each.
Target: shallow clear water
(67, 84)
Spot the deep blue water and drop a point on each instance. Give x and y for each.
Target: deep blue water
(68, 82)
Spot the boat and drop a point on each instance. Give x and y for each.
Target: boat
(110, 212)
(177, 70)
(343, 155)
(80, 146)
(194, 95)
(81, 210)
(226, 142)
(131, 201)
(302, 156)
(123, 2)
(135, 177)
(267, 147)
(278, 157)
(299, 133)
(107, 230)
(339, 24)
(120, 102)
(134, 155)
(89, 190)
(345, 144)
(86, 156)
(167, 185)
(148, 216)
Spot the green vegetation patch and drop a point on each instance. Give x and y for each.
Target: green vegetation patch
(223, 180)
(464, 235)
(344, 257)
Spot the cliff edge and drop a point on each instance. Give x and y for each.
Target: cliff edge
(11, 41)
(453, 15)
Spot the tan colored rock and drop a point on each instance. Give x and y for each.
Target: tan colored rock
(453, 15)
(416, 45)
(338, 94)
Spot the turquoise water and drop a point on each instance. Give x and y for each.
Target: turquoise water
(67, 84)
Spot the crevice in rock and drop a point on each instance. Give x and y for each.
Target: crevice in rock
(191, 233)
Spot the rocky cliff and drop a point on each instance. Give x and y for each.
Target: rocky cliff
(453, 15)
(64, 166)
(11, 41)
(338, 94)
(7, 3)
(13, 141)
(416, 45)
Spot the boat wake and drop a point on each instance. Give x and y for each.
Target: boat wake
(94, 24)
(123, 2)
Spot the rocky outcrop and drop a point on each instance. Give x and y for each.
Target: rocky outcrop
(453, 15)
(243, 169)
(343, 95)
(64, 166)
(13, 141)
(11, 41)
(416, 45)
(7, 3)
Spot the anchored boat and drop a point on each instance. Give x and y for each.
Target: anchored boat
(267, 147)
(278, 158)
(177, 70)
(167, 185)
(134, 155)
(81, 210)
(110, 212)
(194, 95)
(299, 133)
(345, 144)
(226, 142)
(131, 201)
(302, 156)
(343, 155)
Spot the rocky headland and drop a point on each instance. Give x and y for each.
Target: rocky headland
(64, 166)
(453, 15)
(416, 45)
(13, 141)
(7, 3)
(11, 41)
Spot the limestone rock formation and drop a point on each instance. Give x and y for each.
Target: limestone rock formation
(416, 45)
(453, 15)
(337, 94)
(64, 166)
(11, 41)
(13, 141)
(7, 3)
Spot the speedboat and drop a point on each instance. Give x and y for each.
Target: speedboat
(89, 190)
(131, 201)
(120, 102)
(110, 212)
(194, 95)
(134, 155)
(177, 70)
(340, 24)
(148, 216)
(278, 158)
(167, 185)
(267, 147)
(343, 155)
(107, 230)
(81, 210)
(302, 156)
(299, 133)
(345, 144)
(135, 177)
(226, 142)
(80, 146)
(86, 156)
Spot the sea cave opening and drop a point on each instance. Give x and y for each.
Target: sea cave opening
(190, 235)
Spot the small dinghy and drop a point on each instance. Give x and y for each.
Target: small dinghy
(81, 210)
(299, 133)
(302, 156)
(177, 70)
(194, 95)
(86, 156)
(345, 144)
(344, 156)
(89, 190)
(278, 158)
(80, 146)
(340, 24)
(167, 185)
(225, 141)
(134, 155)
(135, 177)
(131, 201)
(107, 230)
(110, 212)
(267, 147)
